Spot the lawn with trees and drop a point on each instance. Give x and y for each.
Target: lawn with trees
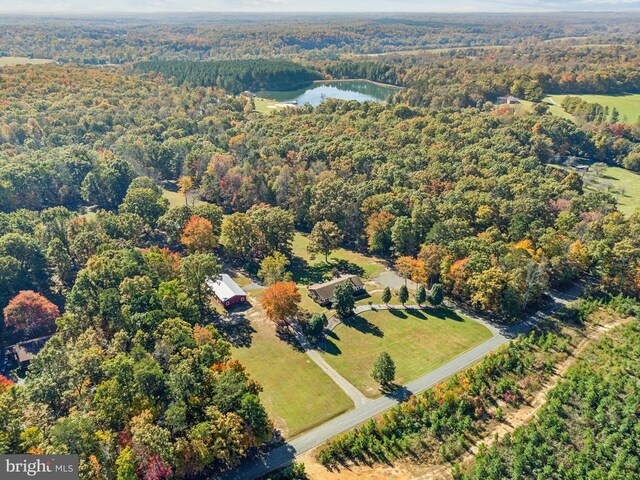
(418, 341)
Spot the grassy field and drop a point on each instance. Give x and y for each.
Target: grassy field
(623, 183)
(418, 342)
(177, 199)
(265, 105)
(297, 394)
(10, 61)
(627, 105)
(356, 262)
(527, 107)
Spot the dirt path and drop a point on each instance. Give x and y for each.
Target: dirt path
(406, 470)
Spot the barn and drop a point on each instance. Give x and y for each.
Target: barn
(226, 292)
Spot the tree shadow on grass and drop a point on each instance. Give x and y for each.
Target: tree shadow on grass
(362, 325)
(239, 334)
(398, 313)
(330, 347)
(416, 313)
(444, 313)
(305, 273)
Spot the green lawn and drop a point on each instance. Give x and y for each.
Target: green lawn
(623, 183)
(10, 61)
(527, 107)
(177, 199)
(418, 342)
(354, 262)
(627, 105)
(297, 394)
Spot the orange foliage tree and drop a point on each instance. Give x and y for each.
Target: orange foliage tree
(281, 302)
(29, 311)
(198, 235)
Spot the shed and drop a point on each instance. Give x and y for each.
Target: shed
(226, 291)
(322, 293)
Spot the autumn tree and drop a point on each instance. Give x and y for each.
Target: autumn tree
(405, 267)
(198, 235)
(379, 231)
(384, 370)
(324, 238)
(281, 302)
(274, 269)
(30, 312)
(185, 186)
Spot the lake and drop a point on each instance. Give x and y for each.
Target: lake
(315, 93)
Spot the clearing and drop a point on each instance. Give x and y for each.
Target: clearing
(347, 260)
(419, 341)
(627, 105)
(12, 61)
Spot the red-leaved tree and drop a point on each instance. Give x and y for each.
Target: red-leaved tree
(29, 312)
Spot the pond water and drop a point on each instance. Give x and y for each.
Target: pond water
(317, 92)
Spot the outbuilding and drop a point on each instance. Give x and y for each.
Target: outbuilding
(226, 292)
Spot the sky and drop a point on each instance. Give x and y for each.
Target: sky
(369, 6)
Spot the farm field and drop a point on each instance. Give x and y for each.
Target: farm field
(627, 105)
(297, 394)
(418, 342)
(11, 61)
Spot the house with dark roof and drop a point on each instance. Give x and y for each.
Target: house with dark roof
(20, 354)
(322, 293)
(226, 292)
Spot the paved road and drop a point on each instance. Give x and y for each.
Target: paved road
(283, 455)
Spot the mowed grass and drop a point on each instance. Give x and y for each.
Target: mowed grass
(176, 199)
(367, 266)
(418, 342)
(526, 106)
(627, 105)
(11, 61)
(297, 394)
(622, 183)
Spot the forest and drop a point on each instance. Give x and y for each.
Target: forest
(441, 184)
(588, 427)
(235, 75)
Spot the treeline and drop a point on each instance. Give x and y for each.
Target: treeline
(587, 428)
(527, 72)
(369, 70)
(235, 75)
(589, 112)
(324, 37)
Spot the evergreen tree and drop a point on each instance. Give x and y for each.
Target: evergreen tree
(403, 294)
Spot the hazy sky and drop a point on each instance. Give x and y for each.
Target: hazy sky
(92, 6)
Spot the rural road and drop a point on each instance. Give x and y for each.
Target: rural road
(281, 456)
